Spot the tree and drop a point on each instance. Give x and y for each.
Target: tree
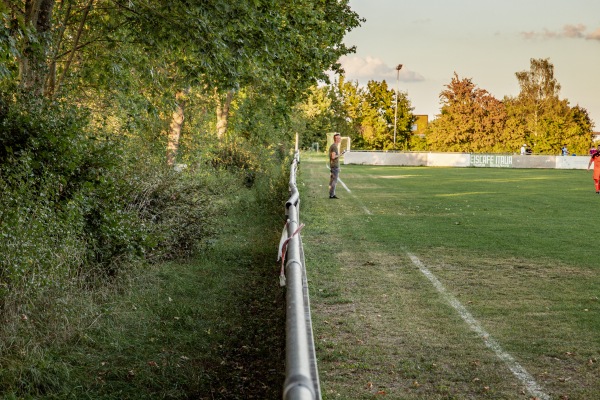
(539, 93)
(579, 134)
(404, 123)
(471, 119)
(36, 20)
(540, 118)
(378, 117)
(151, 50)
(514, 135)
(292, 46)
(315, 117)
(346, 101)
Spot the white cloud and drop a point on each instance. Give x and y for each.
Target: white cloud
(528, 35)
(574, 31)
(372, 68)
(568, 31)
(594, 35)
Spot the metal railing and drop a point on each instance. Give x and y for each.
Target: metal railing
(301, 375)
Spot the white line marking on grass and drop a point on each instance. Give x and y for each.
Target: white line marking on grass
(344, 185)
(365, 209)
(340, 181)
(532, 387)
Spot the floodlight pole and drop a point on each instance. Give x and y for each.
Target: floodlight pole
(398, 68)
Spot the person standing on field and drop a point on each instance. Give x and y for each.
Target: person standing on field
(596, 160)
(334, 164)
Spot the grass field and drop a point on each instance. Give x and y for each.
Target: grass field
(453, 283)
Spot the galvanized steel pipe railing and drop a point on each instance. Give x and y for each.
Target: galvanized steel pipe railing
(302, 378)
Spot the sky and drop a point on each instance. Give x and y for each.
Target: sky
(483, 40)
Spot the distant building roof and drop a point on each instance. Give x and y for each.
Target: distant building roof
(421, 122)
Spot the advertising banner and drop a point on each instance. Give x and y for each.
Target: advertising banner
(491, 160)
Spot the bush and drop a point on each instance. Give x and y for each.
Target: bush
(272, 187)
(177, 209)
(237, 159)
(62, 207)
(40, 244)
(264, 169)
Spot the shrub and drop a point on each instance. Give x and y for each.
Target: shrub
(239, 159)
(40, 244)
(63, 207)
(177, 209)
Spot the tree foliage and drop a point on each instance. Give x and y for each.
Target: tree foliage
(547, 122)
(89, 91)
(87, 50)
(472, 120)
(365, 114)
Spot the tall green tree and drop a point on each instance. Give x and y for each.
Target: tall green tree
(378, 117)
(347, 108)
(538, 97)
(31, 31)
(315, 117)
(154, 51)
(541, 119)
(293, 45)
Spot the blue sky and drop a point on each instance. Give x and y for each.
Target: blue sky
(486, 41)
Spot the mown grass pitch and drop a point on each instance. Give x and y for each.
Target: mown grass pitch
(516, 248)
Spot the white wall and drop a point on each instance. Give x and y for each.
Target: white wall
(465, 160)
(572, 162)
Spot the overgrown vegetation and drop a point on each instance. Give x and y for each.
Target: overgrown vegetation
(143, 154)
(207, 328)
(90, 308)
